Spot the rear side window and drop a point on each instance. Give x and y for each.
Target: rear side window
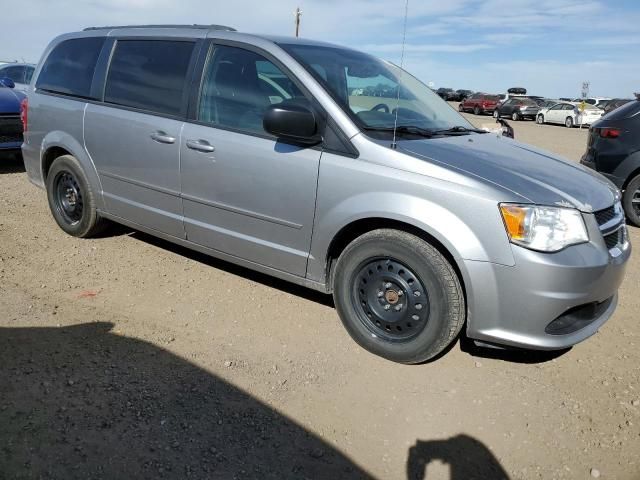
(625, 111)
(69, 67)
(149, 74)
(15, 73)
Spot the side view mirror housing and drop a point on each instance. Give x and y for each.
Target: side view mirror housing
(7, 82)
(507, 130)
(292, 121)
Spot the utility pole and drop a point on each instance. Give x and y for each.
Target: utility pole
(298, 14)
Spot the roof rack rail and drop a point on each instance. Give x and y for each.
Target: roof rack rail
(196, 26)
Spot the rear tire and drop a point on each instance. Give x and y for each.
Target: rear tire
(568, 122)
(398, 296)
(496, 114)
(460, 107)
(540, 120)
(476, 110)
(631, 201)
(71, 199)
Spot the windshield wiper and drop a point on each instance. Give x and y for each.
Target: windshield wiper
(457, 130)
(404, 129)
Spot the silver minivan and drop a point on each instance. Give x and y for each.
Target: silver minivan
(331, 169)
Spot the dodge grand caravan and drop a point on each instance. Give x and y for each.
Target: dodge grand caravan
(283, 155)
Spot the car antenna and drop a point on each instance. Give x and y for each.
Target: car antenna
(394, 144)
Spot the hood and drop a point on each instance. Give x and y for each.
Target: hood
(10, 101)
(535, 175)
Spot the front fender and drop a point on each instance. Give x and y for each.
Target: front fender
(457, 236)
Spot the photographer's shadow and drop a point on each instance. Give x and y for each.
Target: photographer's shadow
(467, 458)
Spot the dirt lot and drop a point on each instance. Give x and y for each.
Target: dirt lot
(127, 357)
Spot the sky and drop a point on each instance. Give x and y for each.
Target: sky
(547, 46)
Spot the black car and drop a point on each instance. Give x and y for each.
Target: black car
(461, 95)
(611, 105)
(613, 149)
(517, 108)
(446, 93)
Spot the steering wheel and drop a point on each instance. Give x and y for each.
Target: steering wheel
(381, 106)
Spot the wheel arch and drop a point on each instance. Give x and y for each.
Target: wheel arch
(58, 143)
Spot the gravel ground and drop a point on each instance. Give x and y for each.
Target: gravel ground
(128, 357)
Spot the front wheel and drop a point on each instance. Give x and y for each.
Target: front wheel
(460, 108)
(568, 122)
(476, 110)
(71, 198)
(398, 296)
(515, 117)
(631, 201)
(540, 120)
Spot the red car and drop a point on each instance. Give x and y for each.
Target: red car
(479, 103)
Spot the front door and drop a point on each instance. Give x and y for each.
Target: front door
(134, 138)
(245, 193)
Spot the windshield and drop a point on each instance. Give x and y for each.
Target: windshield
(370, 90)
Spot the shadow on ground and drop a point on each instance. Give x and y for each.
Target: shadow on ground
(81, 402)
(512, 355)
(466, 457)
(11, 163)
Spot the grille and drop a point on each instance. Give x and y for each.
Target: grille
(614, 239)
(606, 215)
(10, 129)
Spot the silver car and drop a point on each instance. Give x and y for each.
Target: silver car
(331, 169)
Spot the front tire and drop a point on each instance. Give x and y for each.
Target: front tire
(476, 110)
(71, 198)
(540, 120)
(515, 117)
(631, 201)
(568, 122)
(460, 107)
(398, 296)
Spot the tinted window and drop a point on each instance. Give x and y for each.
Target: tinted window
(149, 74)
(28, 73)
(239, 86)
(69, 67)
(629, 109)
(15, 73)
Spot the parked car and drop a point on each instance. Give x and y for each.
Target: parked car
(565, 99)
(595, 101)
(461, 95)
(479, 104)
(569, 115)
(416, 222)
(10, 119)
(611, 105)
(545, 102)
(20, 73)
(446, 93)
(613, 149)
(517, 109)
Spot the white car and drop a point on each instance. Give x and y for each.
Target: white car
(569, 115)
(20, 73)
(596, 101)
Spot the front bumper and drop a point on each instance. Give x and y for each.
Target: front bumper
(514, 305)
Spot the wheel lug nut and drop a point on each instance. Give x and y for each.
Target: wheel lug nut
(400, 293)
(387, 285)
(416, 293)
(387, 307)
(380, 294)
(398, 307)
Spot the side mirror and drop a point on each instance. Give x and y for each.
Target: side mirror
(507, 130)
(7, 82)
(292, 121)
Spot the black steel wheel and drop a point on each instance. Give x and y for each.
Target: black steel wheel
(390, 299)
(398, 296)
(631, 201)
(71, 198)
(68, 197)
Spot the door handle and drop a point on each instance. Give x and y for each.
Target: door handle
(200, 146)
(162, 137)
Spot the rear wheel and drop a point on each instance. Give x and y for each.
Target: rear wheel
(631, 201)
(71, 199)
(496, 114)
(540, 120)
(568, 122)
(397, 296)
(476, 110)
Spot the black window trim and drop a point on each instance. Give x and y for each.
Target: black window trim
(325, 121)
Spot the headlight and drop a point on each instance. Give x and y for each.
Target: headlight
(546, 229)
